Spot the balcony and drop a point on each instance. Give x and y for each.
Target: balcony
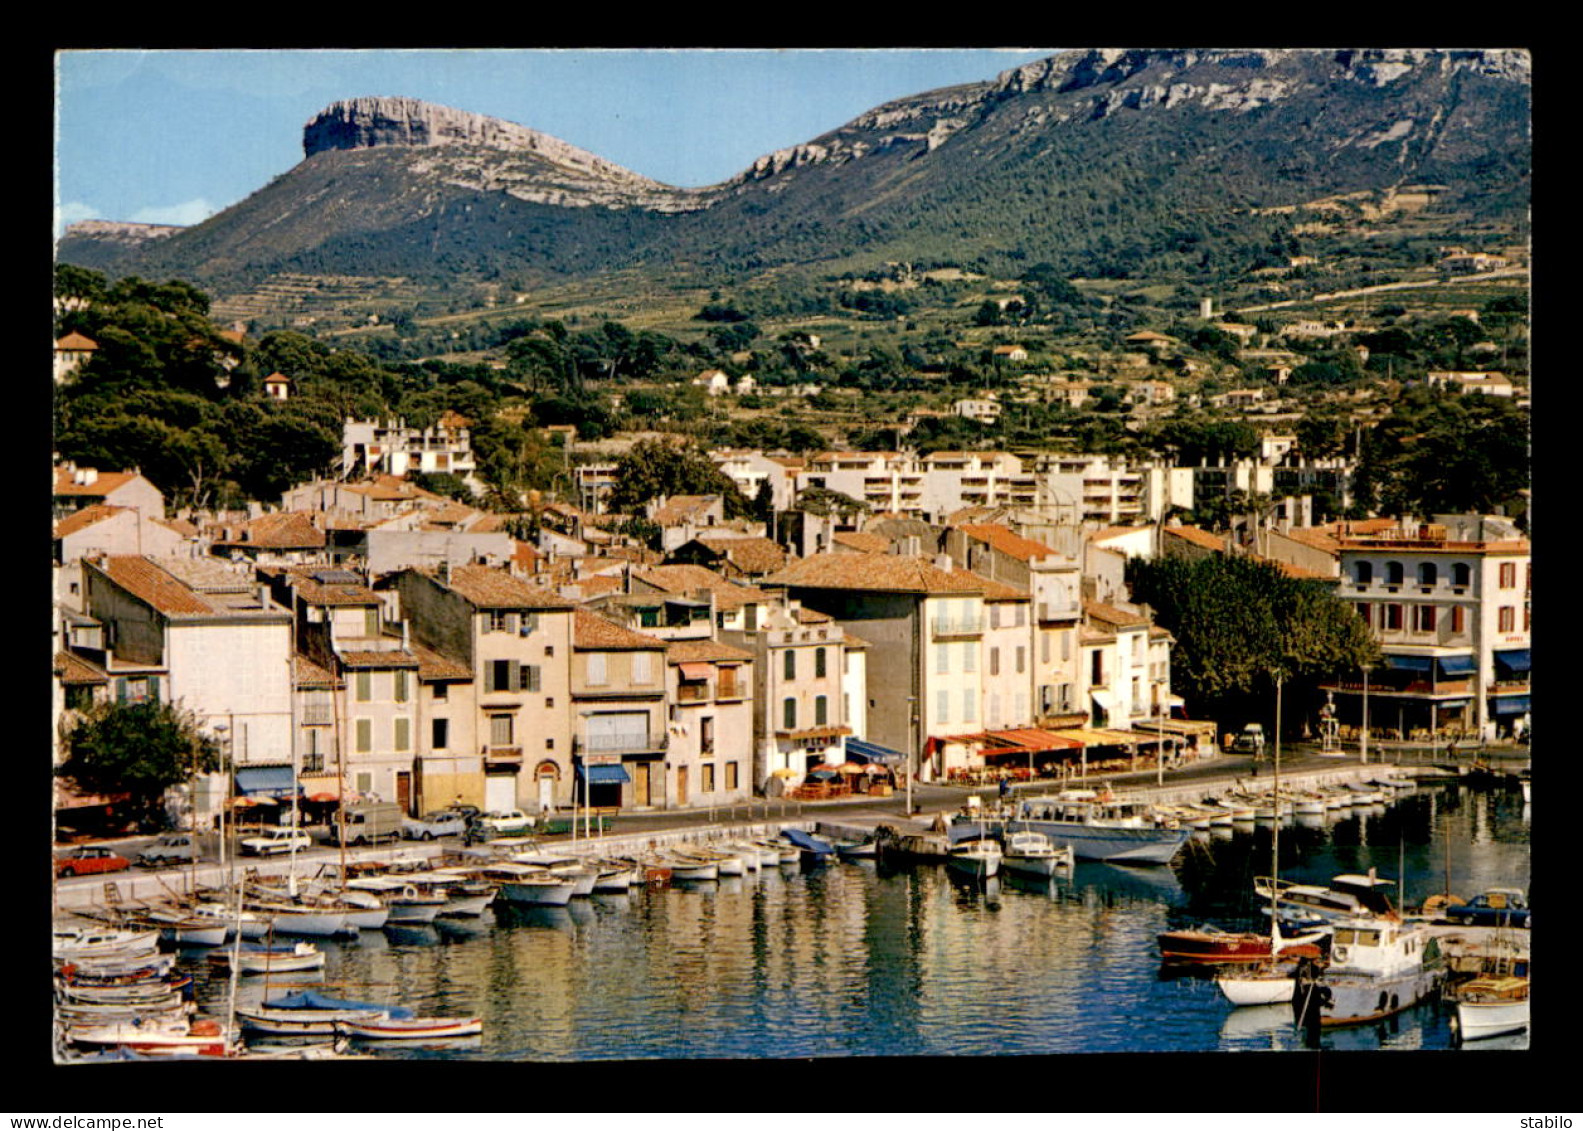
(620, 744)
(956, 626)
(502, 755)
(318, 714)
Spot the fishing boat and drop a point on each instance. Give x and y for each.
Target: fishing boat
(73, 944)
(184, 928)
(262, 958)
(1095, 824)
(530, 886)
(1033, 854)
(582, 876)
(1347, 897)
(200, 1036)
(1377, 967)
(403, 900)
(1491, 1005)
(312, 1014)
(979, 859)
(865, 849)
(411, 1028)
(679, 867)
(617, 875)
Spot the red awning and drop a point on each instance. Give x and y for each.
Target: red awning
(696, 671)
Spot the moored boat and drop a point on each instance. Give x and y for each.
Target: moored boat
(1094, 824)
(261, 958)
(310, 1013)
(1491, 1005)
(1033, 854)
(1377, 967)
(411, 1028)
(979, 859)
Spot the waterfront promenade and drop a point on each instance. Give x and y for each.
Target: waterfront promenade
(628, 833)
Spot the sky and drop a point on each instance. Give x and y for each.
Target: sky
(174, 136)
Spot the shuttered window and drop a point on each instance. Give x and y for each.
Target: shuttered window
(402, 738)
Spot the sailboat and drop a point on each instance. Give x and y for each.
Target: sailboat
(1272, 982)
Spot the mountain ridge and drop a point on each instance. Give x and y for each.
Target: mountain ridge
(1088, 158)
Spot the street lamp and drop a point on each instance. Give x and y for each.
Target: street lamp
(1363, 743)
(912, 747)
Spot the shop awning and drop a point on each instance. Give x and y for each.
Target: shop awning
(1099, 736)
(1458, 665)
(1423, 664)
(1509, 705)
(265, 781)
(859, 750)
(1104, 699)
(695, 671)
(603, 775)
(1515, 659)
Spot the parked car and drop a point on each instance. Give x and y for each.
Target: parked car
(88, 860)
(1250, 741)
(443, 822)
(272, 842)
(173, 848)
(1498, 907)
(508, 822)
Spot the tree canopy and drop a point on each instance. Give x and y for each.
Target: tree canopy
(652, 468)
(138, 748)
(1238, 621)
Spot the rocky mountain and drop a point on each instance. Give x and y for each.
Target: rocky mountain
(1100, 162)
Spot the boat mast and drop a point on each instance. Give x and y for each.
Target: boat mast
(1275, 829)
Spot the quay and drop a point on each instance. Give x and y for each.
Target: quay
(853, 817)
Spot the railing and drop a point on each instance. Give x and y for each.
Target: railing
(619, 743)
(318, 715)
(503, 754)
(692, 692)
(957, 626)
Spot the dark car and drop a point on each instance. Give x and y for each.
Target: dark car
(88, 860)
(1498, 907)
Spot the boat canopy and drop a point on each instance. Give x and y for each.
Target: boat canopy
(312, 999)
(805, 842)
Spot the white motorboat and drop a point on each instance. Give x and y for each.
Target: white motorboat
(1096, 824)
(403, 900)
(75, 943)
(1266, 987)
(582, 876)
(1491, 1005)
(530, 886)
(1378, 966)
(978, 858)
(616, 876)
(1033, 854)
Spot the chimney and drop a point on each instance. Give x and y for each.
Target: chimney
(263, 596)
(943, 562)
(406, 639)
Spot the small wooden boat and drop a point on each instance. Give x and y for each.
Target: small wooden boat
(812, 851)
(978, 858)
(312, 1014)
(1257, 987)
(411, 1028)
(582, 877)
(259, 958)
(687, 868)
(1491, 1005)
(201, 1036)
(532, 887)
(857, 849)
(76, 943)
(617, 875)
(403, 900)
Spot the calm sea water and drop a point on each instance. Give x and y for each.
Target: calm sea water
(855, 960)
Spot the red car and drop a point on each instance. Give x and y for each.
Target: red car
(86, 861)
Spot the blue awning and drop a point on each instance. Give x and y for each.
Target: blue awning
(1515, 659)
(1410, 663)
(603, 775)
(1458, 665)
(264, 781)
(857, 750)
(1509, 705)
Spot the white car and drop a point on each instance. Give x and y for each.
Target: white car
(511, 822)
(444, 822)
(275, 841)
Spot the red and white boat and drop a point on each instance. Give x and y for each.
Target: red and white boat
(411, 1028)
(202, 1036)
(1209, 943)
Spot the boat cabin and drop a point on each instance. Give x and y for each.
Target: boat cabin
(1380, 947)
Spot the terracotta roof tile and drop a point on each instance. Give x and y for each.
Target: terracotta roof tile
(1008, 542)
(861, 541)
(704, 651)
(76, 341)
(395, 658)
(434, 667)
(885, 573)
(103, 484)
(1197, 537)
(319, 585)
(751, 555)
(1000, 591)
(591, 632)
(74, 669)
(283, 530)
(680, 508)
(88, 516)
(684, 579)
(154, 586)
(306, 673)
(489, 588)
(1109, 614)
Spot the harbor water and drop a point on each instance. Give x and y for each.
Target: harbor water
(868, 960)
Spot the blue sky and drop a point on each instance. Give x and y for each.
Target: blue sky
(175, 136)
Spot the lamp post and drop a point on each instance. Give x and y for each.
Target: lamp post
(912, 747)
(1363, 742)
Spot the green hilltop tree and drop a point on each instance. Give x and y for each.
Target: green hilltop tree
(1238, 621)
(141, 749)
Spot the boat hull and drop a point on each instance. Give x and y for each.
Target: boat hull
(1479, 1019)
(1359, 999)
(530, 894)
(1254, 990)
(417, 1029)
(1112, 845)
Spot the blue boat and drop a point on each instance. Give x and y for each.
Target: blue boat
(814, 851)
(312, 1014)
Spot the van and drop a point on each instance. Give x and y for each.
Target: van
(370, 822)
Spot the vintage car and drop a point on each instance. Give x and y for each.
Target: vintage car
(442, 822)
(1498, 907)
(88, 860)
(173, 848)
(273, 842)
